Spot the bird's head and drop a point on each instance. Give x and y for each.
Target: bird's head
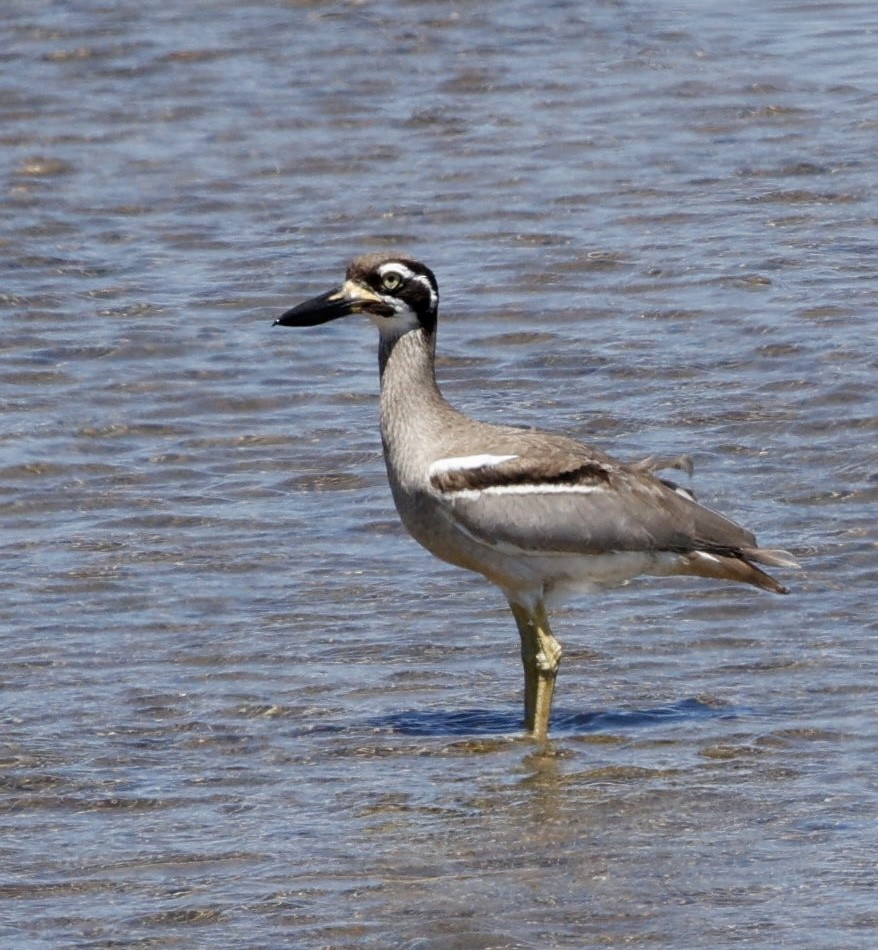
(396, 292)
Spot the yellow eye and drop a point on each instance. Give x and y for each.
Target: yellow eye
(391, 281)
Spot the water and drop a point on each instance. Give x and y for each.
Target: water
(240, 708)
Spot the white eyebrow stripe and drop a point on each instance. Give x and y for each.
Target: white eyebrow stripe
(408, 274)
(462, 462)
(401, 269)
(421, 279)
(533, 488)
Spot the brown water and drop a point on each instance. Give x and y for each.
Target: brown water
(240, 708)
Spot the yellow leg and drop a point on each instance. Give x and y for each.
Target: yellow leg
(541, 657)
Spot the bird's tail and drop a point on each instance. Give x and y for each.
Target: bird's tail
(740, 567)
(775, 557)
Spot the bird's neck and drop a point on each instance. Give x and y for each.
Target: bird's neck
(412, 407)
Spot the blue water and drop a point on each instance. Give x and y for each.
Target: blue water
(240, 708)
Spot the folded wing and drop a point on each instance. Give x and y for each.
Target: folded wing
(556, 501)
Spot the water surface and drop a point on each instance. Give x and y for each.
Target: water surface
(240, 708)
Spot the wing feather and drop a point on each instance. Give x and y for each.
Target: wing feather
(576, 502)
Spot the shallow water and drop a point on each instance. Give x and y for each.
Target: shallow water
(240, 708)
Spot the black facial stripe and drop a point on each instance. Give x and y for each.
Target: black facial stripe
(416, 294)
(418, 290)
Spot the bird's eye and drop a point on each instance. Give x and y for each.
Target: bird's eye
(391, 281)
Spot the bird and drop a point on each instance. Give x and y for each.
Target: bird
(541, 515)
